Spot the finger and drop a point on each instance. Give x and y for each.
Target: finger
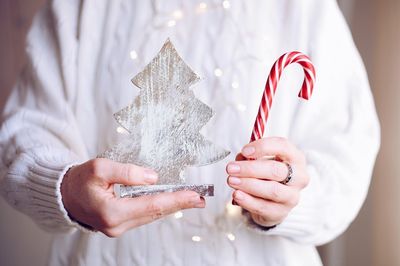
(134, 223)
(273, 146)
(122, 173)
(271, 212)
(157, 206)
(268, 190)
(269, 169)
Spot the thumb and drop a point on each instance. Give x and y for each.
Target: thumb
(128, 174)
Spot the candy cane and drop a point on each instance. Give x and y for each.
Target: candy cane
(272, 83)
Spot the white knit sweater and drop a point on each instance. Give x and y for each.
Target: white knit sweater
(60, 113)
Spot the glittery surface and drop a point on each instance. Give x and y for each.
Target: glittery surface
(164, 121)
(136, 191)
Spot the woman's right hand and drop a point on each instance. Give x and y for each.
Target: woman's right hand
(88, 196)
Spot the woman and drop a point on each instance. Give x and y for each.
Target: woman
(82, 55)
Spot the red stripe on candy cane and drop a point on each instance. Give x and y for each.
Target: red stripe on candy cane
(272, 83)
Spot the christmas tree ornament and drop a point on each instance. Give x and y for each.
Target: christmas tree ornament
(272, 83)
(163, 123)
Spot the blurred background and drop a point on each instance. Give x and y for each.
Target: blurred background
(373, 238)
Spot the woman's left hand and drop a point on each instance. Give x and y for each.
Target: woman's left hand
(258, 181)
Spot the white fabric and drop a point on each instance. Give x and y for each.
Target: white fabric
(78, 75)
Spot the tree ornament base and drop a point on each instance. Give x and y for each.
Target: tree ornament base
(206, 190)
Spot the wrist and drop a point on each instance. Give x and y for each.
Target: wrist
(64, 190)
(65, 201)
(262, 222)
(260, 227)
(266, 228)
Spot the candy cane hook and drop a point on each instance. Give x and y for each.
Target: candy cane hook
(272, 83)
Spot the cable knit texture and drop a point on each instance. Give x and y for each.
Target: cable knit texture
(78, 75)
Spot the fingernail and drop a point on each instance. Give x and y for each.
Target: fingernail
(239, 195)
(234, 180)
(150, 176)
(248, 150)
(199, 202)
(233, 168)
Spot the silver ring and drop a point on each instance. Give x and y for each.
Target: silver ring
(289, 175)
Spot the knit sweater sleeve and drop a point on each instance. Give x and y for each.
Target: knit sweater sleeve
(39, 139)
(338, 131)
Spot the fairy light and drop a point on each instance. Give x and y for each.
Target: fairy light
(171, 23)
(196, 238)
(177, 14)
(241, 107)
(231, 236)
(133, 55)
(121, 130)
(235, 85)
(218, 72)
(232, 210)
(178, 215)
(226, 4)
(202, 6)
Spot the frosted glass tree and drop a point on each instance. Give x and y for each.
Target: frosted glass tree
(163, 124)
